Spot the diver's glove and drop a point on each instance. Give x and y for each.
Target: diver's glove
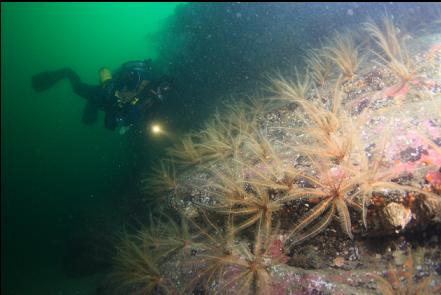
(122, 126)
(123, 129)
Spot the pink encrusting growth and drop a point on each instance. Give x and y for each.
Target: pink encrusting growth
(397, 90)
(431, 130)
(423, 154)
(434, 178)
(413, 147)
(400, 167)
(276, 251)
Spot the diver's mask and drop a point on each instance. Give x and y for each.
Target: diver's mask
(132, 73)
(128, 80)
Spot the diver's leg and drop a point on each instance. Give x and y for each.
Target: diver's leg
(110, 120)
(89, 92)
(92, 93)
(46, 80)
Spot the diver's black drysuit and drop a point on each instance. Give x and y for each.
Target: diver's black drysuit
(103, 97)
(97, 99)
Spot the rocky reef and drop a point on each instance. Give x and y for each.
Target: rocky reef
(330, 183)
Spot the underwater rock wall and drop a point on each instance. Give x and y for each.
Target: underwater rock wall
(288, 193)
(221, 51)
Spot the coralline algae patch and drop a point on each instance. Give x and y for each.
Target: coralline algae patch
(434, 178)
(410, 136)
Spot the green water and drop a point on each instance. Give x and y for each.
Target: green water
(63, 181)
(59, 176)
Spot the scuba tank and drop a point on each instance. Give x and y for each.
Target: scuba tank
(105, 75)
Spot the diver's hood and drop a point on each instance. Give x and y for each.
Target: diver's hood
(132, 73)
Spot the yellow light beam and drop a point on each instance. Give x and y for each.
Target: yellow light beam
(156, 129)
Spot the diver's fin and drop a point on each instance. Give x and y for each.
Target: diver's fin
(46, 80)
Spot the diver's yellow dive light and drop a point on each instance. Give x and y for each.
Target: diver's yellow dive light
(160, 131)
(156, 129)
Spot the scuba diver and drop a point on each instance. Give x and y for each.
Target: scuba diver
(125, 96)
